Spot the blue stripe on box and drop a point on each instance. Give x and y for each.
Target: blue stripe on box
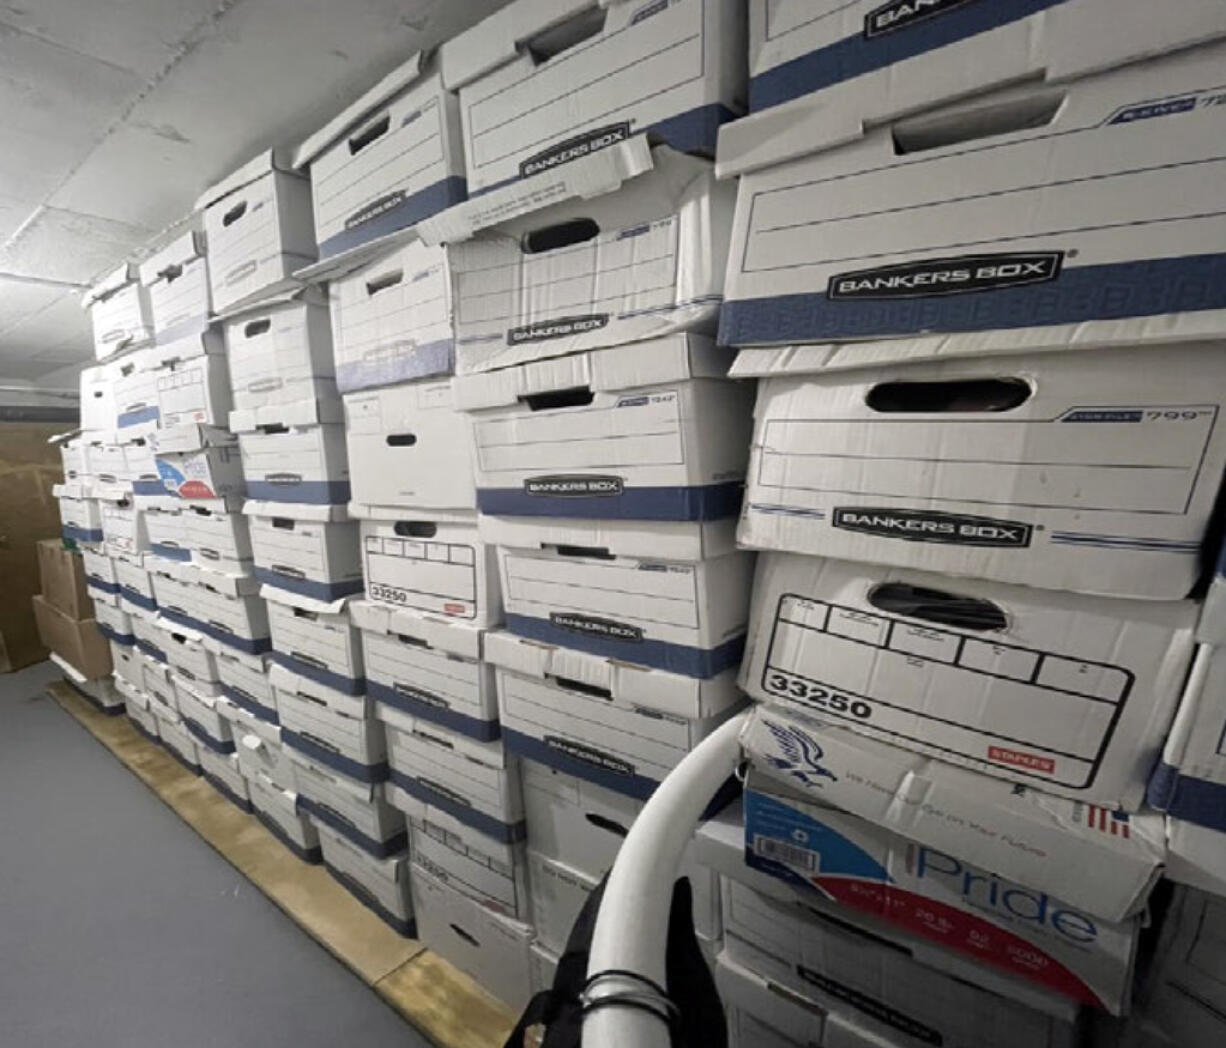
(325, 591)
(423, 361)
(379, 849)
(71, 531)
(706, 502)
(171, 552)
(408, 212)
(855, 55)
(252, 646)
(135, 418)
(127, 640)
(150, 650)
(314, 856)
(110, 588)
(507, 832)
(303, 492)
(472, 727)
(217, 784)
(629, 784)
(150, 487)
(675, 658)
(222, 746)
(337, 681)
(265, 713)
(337, 761)
(1112, 291)
(139, 599)
(1183, 797)
(407, 928)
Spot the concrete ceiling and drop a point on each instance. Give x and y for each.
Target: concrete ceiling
(116, 114)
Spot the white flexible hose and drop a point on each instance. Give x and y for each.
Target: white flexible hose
(631, 931)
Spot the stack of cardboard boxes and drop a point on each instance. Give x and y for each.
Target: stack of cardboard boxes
(493, 337)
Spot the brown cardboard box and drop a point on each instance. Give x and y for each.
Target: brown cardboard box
(77, 641)
(63, 576)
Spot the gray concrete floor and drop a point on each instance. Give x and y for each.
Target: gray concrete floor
(121, 928)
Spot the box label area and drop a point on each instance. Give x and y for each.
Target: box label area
(928, 526)
(946, 276)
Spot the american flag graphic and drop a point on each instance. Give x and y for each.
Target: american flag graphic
(1113, 822)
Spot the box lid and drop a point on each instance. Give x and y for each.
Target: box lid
(384, 91)
(257, 167)
(295, 511)
(688, 541)
(446, 635)
(298, 413)
(171, 259)
(298, 600)
(109, 284)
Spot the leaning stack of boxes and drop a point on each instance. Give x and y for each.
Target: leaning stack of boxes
(418, 515)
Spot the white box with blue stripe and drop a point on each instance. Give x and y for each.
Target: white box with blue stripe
(822, 72)
(199, 462)
(1070, 694)
(330, 727)
(280, 352)
(644, 261)
(100, 577)
(127, 662)
(1092, 472)
(357, 810)
(621, 726)
(316, 639)
(260, 756)
(305, 550)
(119, 312)
(546, 82)
(672, 596)
(80, 517)
(174, 736)
(177, 281)
(646, 431)
(392, 158)
(215, 536)
(1070, 214)
(381, 884)
(203, 715)
(225, 608)
(114, 623)
(221, 772)
(135, 576)
(190, 658)
(294, 452)
(244, 681)
(428, 666)
(277, 808)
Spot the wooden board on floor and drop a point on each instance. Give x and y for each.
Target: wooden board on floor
(442, 1002)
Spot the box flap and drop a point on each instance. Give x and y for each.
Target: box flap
(688, 541)
(312, 296)
(384, 91)
(592, 176)
(295, 511)
(203, 341)
(257, 167)
(108, 285)
(174, 256)
(299, 413)
(298, 600)
(445, 635)
(227, 585)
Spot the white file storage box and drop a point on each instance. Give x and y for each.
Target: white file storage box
(473, 782)
(127, 662)
(316, 640)
(177, 281)
(148, 636)
(431, 563)
(136, 400)
(143, 718)
(821, 73)
(100, 577)
(167, 534)
(191, 659)
(80, 517)
(392, 319)
(98, 404)
(330, 727)
(200, 462)
(673, 597)
(260, 755)
(491, 948)
(356, 810)
(642, 262)
(216, 536)
(115, 624)
(624, 727)
(280, 352)
(382, 885)
(1037, 217)
(307, 550)
(136, 589)
(494, 873)
(149, 491)
(542, 84)
(244, 681)
(119, 312)
(258, 225)
(123, 529)
(157, 685)
(194, 391)
(221, 772)
(294, 452)
(558, 894)
(173, 733)
(202, 716)
(277, 809)
(409, 447)
(389, 160)
(1095, 472)
(225, 608)
(1067, 693)
(428, 666)
(648, 431)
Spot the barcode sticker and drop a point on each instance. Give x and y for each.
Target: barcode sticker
(790, 854)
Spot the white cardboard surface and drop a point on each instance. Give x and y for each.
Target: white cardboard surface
(297, 551)
(387, 880)
(319, 639)
(177, 279)
(281, 353)
(492, 872)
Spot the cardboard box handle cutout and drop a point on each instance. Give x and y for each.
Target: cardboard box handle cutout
(234, 214)
(310, 660)
(303, 613)
(285, 569)
(272, 428)
(257, 327)
(946, 609)
(371, 134)
(465, 936)
(284, 523)
(401, 440)
(435, 739)
(561, 234)
(415, 529)
(593, 552)
(581, 687)
(575, 397)
(382, 283)
(601, 822)
(562, 36)
(1020, 112)
(417, 642)
(171, 273)
(956, 395)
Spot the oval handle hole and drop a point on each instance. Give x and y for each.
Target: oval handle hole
(602, 823)
(415, 529)
(257, 327)
(401, 440)
(551, 42)
(577, 397)
(959, 395)
(596, 552)
(376, 131)
(171, 273)
(945, 609)
(373, 287)
(417, 642)
(284, 523)
(465, 936)
(234, 214)
(563, 234)
(583, 688)
(273, 428)
(947, 129)
(302, 613)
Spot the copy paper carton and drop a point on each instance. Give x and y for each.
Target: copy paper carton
(77, 641)
(62, 575)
